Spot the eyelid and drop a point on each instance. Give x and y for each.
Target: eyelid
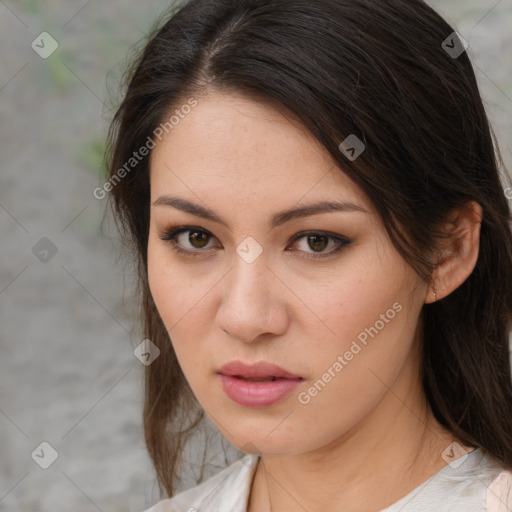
(169, 235)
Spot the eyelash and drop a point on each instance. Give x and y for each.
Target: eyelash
(170, 237)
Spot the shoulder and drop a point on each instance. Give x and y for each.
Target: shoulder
(499, 493)
(476, 482)
(227, 490)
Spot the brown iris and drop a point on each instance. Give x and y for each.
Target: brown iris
(199, 237)
(318, 242)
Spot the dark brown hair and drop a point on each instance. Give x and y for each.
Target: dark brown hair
(376, 69)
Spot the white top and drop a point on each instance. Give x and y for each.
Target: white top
(478, 484)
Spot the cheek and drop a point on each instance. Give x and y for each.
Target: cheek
(162, 282)
(179, 297)
(355, 301)
(368, 327)
(368, 321)
(171, 286)
(353, 369)
(166, 288)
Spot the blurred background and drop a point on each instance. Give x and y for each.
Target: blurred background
(70, 385)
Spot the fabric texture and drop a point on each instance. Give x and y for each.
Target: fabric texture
(473, 483)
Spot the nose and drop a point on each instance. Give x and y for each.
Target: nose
(253, 301)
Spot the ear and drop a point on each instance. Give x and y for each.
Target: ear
(458, 253)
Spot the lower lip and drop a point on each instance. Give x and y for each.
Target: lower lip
(257, 394)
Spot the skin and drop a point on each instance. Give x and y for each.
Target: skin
(368, 438)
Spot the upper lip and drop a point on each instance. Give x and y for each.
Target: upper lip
(257, 370)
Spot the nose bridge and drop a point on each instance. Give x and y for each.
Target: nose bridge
(249, 302)
(249, 276)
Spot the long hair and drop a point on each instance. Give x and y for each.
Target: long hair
(379, 70)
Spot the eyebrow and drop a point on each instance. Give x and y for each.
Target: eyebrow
(277, 220)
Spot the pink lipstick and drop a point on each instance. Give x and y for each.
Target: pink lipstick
(257, 385)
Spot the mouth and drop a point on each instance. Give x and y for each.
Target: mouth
(262, 371)
(261, 391)
(262, 379)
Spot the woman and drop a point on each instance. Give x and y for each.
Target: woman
(324, 252)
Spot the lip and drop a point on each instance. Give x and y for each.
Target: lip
(257, 370)
(257, 394)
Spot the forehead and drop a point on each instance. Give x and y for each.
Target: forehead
(230, 146)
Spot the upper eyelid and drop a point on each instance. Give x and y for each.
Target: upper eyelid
(341, 241)
(178, 230)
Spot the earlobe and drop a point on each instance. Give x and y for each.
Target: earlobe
(458, 253)
(431, 294)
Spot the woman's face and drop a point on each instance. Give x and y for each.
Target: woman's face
(326, 297)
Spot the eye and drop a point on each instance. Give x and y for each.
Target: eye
(319, 241)
(198, 240)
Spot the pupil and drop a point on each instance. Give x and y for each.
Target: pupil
(313, 242)
(197, 236)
